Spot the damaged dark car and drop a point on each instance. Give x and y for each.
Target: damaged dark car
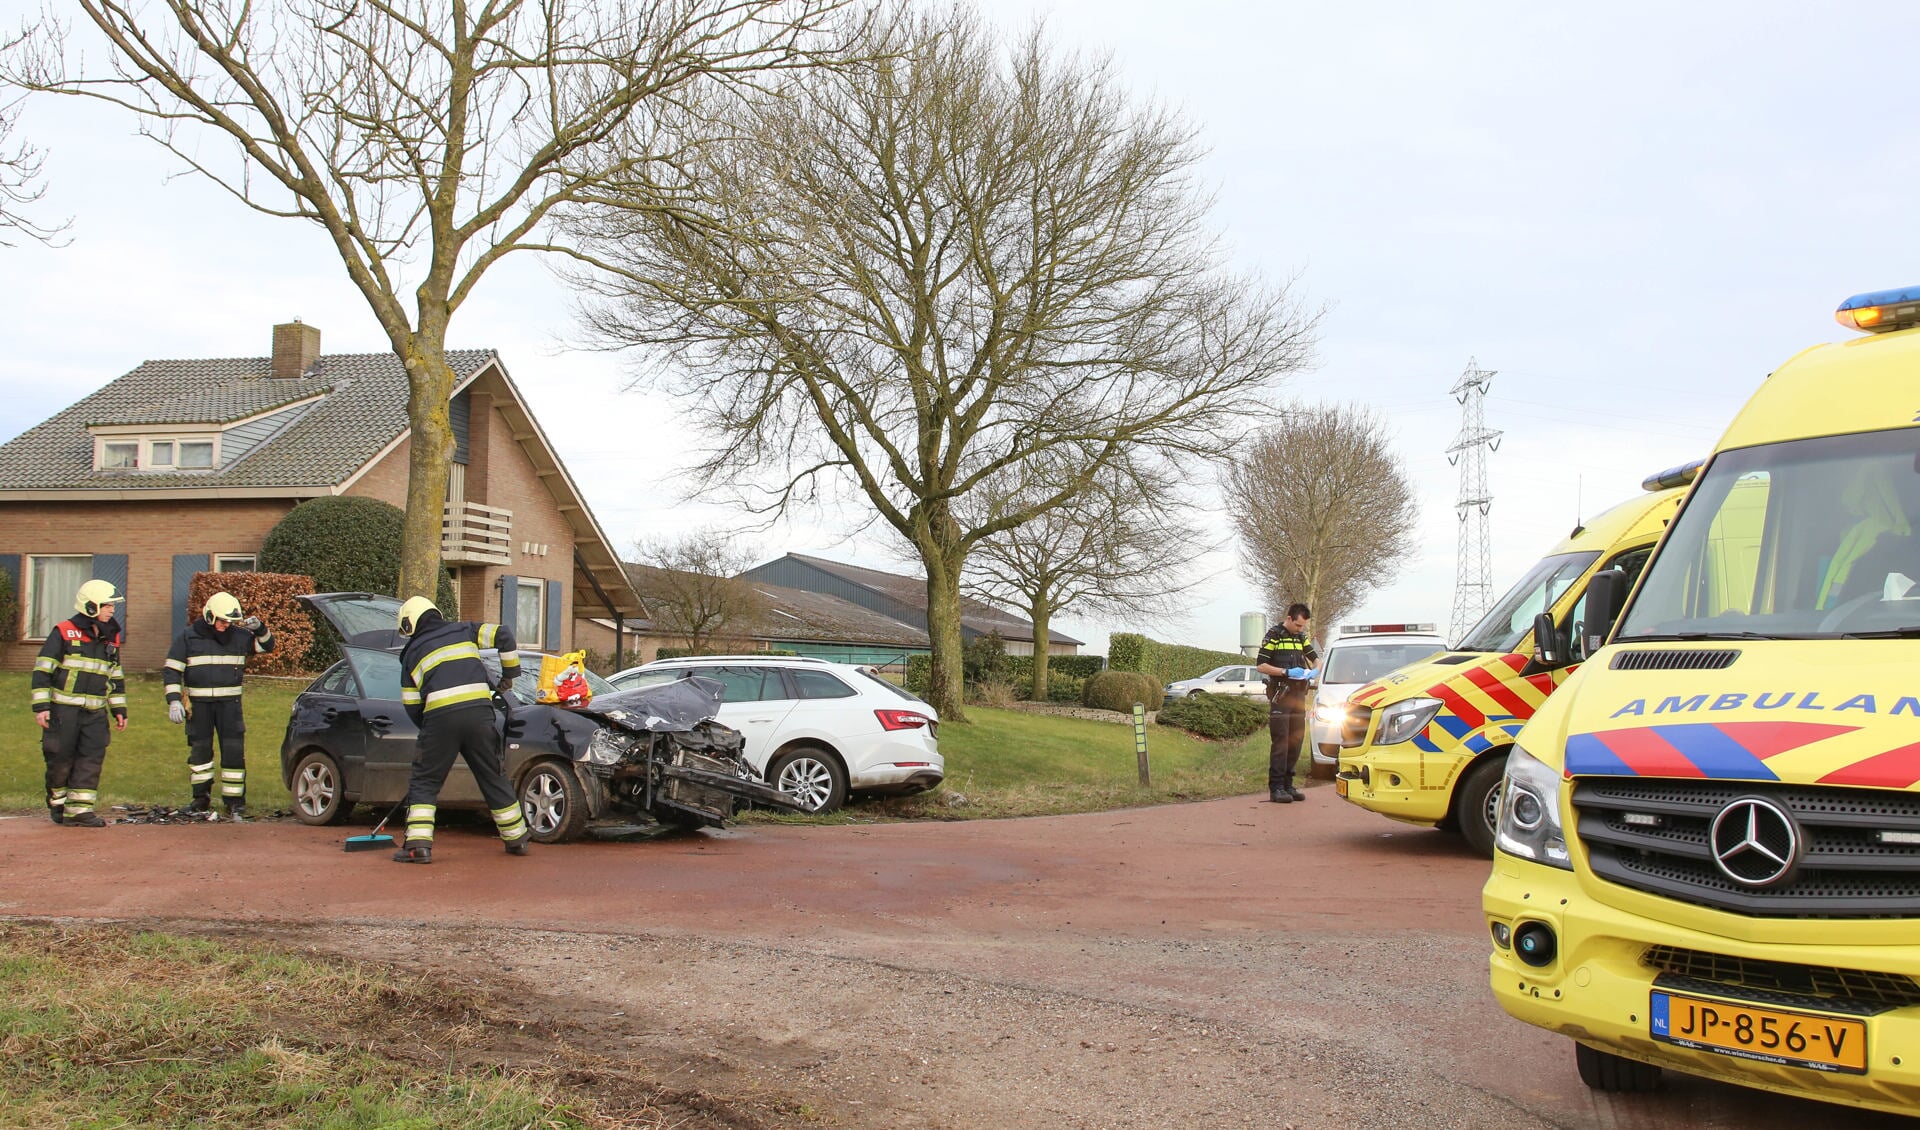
(655, 753)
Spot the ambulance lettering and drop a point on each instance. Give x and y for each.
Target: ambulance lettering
(1765, 700)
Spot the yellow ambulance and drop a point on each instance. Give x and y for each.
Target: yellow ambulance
(1428, 743)
(1708, 842)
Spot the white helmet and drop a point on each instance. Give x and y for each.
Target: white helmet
(92, 595)
(221, 606)
(411, 611)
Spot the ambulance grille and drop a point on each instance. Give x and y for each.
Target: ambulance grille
(1651, 834)
(1827, 987)
(1670, 660)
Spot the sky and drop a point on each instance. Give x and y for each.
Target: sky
(1631, 213)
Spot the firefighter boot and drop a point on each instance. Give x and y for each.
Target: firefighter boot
(87, 819)
(518, 844)
(53, 812)
(1280, 796)
(1295, 791)
(415, 851)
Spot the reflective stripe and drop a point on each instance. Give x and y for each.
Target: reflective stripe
(409, 696)
(75, 662)
(60, 795)
(174, 665)
(44, 665)
(452, 696)
(214, 692)
(439, 655)
(83, 701)
(419, 822)
(80, 801)
(513, 825)
(42, 696)
(221, 660)
(233, 774)
(200, 774)
(509, 659)
(487, 633)
(118, 700)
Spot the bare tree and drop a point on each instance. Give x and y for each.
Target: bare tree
(427, 138)
(964, 258)
(20, 168)
(1118, 548)
(1324, 510)
(692, 588)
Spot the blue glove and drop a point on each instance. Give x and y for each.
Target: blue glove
(1301, 673)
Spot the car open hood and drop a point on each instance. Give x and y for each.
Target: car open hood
(675, 707)
(363, 619)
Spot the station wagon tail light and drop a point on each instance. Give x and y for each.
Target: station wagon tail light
(1881, 311)
(901, 719)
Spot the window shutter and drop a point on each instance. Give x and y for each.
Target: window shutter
(185, 565)
(510, 608)
(556, 640)
(10, 568)
(112, 567)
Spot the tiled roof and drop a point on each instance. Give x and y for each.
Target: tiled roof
(796, 614)
(912, 592)
(364, 409)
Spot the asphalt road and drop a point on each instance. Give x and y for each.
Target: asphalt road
(1308, 964)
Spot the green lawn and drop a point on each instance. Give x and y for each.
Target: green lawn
(146, 762)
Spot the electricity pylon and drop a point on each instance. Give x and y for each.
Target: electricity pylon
(1473, 573)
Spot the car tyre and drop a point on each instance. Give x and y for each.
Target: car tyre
(1195, 694)
(812, 776)
(1478, 805)
(553, 802)
(319, 790)
(1604, 1071)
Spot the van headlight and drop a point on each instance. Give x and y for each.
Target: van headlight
(1404, 719)
(1529, 825)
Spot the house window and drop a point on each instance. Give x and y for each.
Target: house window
(233, 563)
(195, 455)
(119, 456)
(51, 583)
(530, 601)
(162, 454)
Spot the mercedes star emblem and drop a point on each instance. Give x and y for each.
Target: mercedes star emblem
(1755, 843)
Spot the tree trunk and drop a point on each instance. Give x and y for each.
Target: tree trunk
(429, 387)
(947, 692)
(1041, 612)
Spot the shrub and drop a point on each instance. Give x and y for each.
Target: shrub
(1119, 690)
(1214, 715)
(269, 596)
(345, 544)
(1060, 688)
(993, 692)
(984, 659)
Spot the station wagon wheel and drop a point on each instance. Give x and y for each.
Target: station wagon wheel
(553, 803)
(1477, 805)
(319, 792)
(812, 777)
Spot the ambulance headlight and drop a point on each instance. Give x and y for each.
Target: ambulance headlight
(1404, 719)
(1529, 824)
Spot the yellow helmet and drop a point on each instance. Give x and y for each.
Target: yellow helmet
(221, 606)
(411, 611)
(92, 595)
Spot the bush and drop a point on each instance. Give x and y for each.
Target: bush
(984, 659)
(993, 692)
(1214, 715)
(345, 544)
(1164, 662)
(1119, 690)
(269, 596)
(1060, 688)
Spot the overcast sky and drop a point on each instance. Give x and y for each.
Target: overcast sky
(1631, 212)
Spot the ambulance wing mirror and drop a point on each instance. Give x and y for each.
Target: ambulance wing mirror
(1549, 649)
(1606, 592)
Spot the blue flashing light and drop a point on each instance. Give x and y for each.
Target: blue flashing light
(1673, 476)
(1879, 311)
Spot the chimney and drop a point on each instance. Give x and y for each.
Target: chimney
(295, 348)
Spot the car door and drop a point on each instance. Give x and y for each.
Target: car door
(1239, 680)
(390, 735)
(756, 703)
(327, 716)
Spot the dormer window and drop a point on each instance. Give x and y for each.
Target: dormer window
(162, 454)
(195, 455)
(119, 456)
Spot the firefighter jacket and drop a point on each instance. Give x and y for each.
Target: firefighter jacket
(209, 664)
(1285, 650)
(440, 668)
(79, 665)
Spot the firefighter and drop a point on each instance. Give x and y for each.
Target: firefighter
(1286, 658)
(203, 677)
(77, 683)
(447, 692)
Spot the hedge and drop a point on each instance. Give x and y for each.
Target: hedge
(1164, 662)
(1119, 690)
(269, 596)
(1019, 669)
(1214, 715)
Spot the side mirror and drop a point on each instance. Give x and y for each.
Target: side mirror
(1606, 592)
(1548, 649)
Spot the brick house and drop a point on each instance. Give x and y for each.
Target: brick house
(904, 599)
(184, 466)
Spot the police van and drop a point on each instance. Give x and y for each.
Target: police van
(1708, 844)
(1427, 744)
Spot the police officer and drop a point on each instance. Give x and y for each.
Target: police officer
(446, 691)
(210, 659)
(1287, 659)
(77, 683)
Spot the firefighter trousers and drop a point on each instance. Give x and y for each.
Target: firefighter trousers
(222, 717)
(1287, 727)
(75, 747)
(472, 733)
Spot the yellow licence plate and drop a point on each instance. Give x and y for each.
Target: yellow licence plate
(1339, 786)
(1769, 1035)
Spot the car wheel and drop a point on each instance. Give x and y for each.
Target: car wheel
(1195, 694)
(1604, 1071)
(812, 777)
(1478, 804)
(319, 792)
(554, 805)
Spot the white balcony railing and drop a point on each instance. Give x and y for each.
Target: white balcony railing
(474, 534)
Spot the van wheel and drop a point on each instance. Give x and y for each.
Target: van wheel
(1477, 804)
(553, 803)
(1604, 1071)
(811, 776)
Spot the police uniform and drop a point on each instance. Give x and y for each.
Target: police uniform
(446, 690)
(77, 679)
(206, 668)
(1286, 704)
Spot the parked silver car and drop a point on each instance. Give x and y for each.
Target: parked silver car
(1243, 681)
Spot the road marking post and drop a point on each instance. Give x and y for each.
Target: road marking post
(1140, 740)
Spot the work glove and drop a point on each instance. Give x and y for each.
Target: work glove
(1301, 673)
(176, 713)
(252, 624)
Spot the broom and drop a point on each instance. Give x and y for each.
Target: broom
(375, 840)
